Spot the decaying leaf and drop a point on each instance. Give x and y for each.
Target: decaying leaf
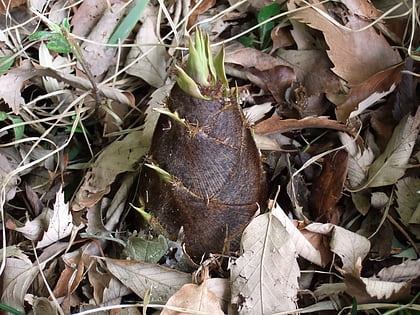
(328, 187)
(100, 58)
(142, 277)
(265, 277)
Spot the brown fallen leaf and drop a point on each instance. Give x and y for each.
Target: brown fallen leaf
(275, 124)
(8, 5)
(203, 7)
(276, 80)
(327, 188)
(354, 60)
(368, 92)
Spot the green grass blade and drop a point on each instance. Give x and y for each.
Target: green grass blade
(128, 23)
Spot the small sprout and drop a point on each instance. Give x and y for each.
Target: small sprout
(188, 85)
(162, 173)
(202, 69)
(174, 116)
(145, 215)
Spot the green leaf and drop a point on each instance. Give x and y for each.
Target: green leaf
(19, 131)
(3, 116)
(188, 85)
(150, 251)
(66, 24)
(10, 309)
(59, 44)
(128, 23)
(40, 35)
(5, 63)
(247, 41)
(265, 14)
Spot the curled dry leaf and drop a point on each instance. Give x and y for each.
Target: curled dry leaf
(346, 244)
(369, 92)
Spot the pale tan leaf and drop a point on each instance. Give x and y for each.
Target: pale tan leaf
(193, 297)
(33, 229)
(264, 278)
(149, 55)
(383, 290)
(9, 182)
(391, 164)
(406, 271)
(141, 277)
(408, 198)
(100, 58)
(61, 222)
(354, 60)
(346, 244)
(12, 83)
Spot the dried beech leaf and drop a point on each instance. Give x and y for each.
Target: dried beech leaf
(354, 60)
(141, 277)
(193, 297)
(391, 164)
(265, 277)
